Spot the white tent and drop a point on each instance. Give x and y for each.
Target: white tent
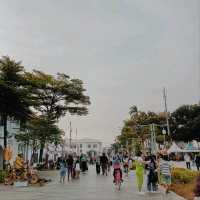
(174, 149)
(191, 148)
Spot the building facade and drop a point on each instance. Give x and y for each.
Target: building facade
(90, 147)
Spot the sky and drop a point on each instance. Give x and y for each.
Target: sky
(125, 51)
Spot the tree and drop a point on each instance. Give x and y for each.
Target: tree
(133, 111)
(57, 95)
(15, 100)
(137, 130)
(185, 123)
(40, 129)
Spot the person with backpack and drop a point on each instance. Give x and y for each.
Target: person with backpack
(152, 176)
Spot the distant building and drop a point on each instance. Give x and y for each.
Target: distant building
(108, 150)
(91, 147)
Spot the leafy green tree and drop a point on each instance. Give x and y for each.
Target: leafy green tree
(57, 95)
(185, 123)
(15, 100)
(137, 129)
(40, 129)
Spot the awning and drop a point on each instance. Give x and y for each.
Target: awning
(174, 149)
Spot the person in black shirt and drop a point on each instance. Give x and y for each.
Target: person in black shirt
(197, 161)
(70, 162)
(104, 163)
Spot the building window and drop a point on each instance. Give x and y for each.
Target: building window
(89, 146)
(94, 146)
(81, 145)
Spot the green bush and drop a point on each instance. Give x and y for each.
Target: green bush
(2, 176)
(183, 175)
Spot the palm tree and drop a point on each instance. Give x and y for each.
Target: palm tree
(133, 110)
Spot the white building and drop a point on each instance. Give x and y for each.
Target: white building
(91, 147)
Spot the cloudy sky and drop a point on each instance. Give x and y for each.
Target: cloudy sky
(125, 51)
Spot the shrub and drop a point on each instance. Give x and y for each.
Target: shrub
(183, 175)
(2, 176)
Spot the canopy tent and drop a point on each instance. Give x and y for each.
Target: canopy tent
(174, 149)
(190, 148)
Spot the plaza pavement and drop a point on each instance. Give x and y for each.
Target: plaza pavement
(89, 187)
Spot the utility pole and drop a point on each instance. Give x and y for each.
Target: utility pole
(77, 150)
(70, 135)
(166, 110)
(153, 146)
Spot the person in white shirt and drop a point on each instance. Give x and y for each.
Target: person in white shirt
(187, 159)
(77, 169)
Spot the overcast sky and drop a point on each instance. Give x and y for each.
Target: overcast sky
(125, 51)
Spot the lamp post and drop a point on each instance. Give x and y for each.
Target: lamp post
(164, 134)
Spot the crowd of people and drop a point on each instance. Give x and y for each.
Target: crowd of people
(192, 159)
(71, 166)
(157, 168)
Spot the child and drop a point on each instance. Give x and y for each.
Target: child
(63, 172)
(116, 167)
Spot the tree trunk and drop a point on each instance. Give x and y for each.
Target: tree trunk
(41, 152)
(5, 137)
(27, 152)
(33, 153)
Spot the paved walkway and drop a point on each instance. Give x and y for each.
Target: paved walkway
(182, 164)
(89, 187)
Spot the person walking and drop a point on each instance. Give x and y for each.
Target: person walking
(63, 171)
(83, 163)
(104, 164)
(152, 176)
(165, 172)
(77, 169)
(70, 163)
(197, 161)
(187, 159)
(140, 172)
(98, 166)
